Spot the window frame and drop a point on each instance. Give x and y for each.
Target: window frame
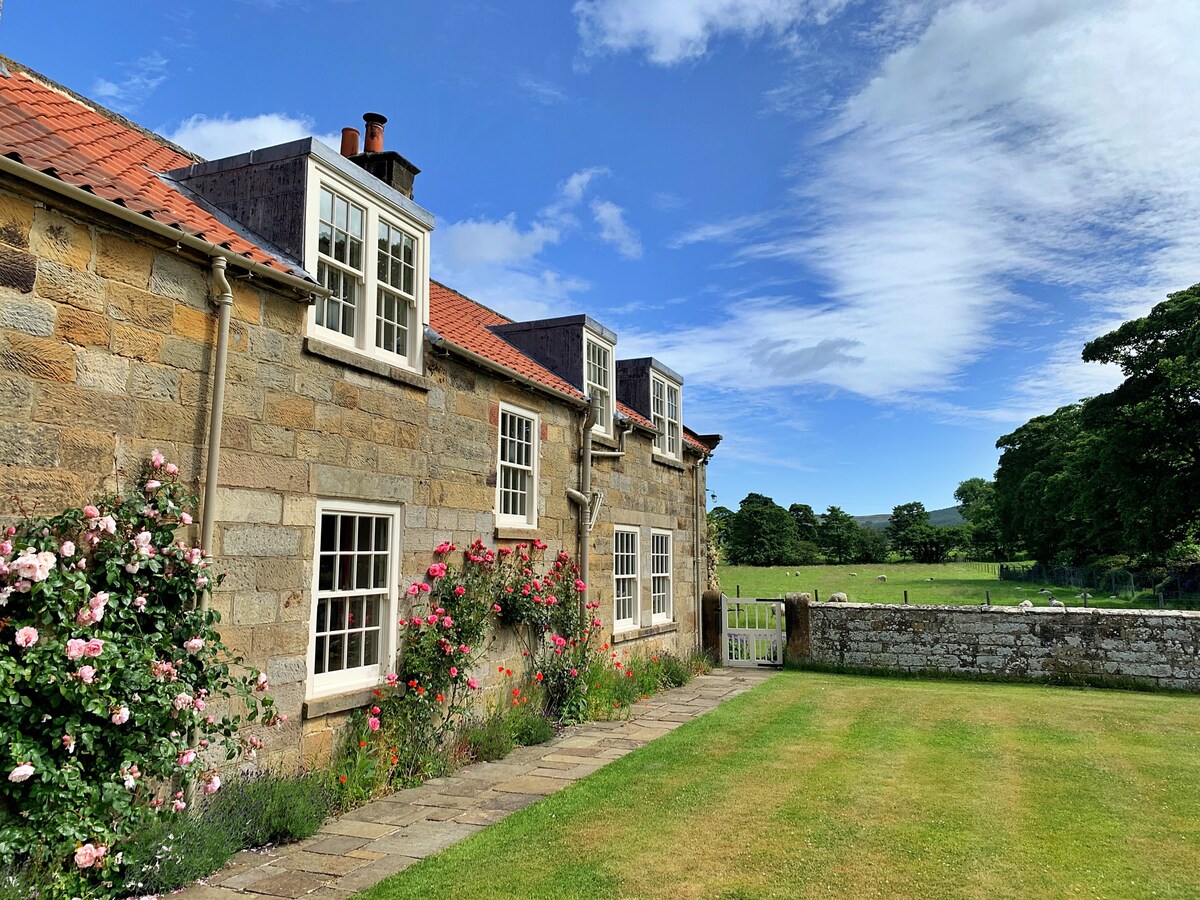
(377, 211)
(604, 425)
(663, 421)
(328, 684)
(632, 622)
(668, 615)
(529, 520)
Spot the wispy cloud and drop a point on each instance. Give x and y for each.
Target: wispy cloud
(615, 230)
(541, 91)
(722, 231)
(128, 91)
(221, 136)
(997, 151)
(674, 31)
(500, 261)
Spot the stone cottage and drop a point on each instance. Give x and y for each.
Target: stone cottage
(269, 322)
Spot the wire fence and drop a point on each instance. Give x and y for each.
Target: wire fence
(1179, 586)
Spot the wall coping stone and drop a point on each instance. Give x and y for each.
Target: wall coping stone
(1012, 610)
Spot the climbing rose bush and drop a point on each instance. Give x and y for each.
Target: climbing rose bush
(116, 691)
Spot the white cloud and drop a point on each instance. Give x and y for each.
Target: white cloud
(540, 91)
(996, 146)
(672, 31)
(615, 230)
(139, 81)
(214, 138)
(723, 231)
(499, 262)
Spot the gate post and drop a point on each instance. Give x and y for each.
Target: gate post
(799, 628)
(710, 626)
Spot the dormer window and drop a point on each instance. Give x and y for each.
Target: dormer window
(598, 379)
(375, 263)
(666, 416)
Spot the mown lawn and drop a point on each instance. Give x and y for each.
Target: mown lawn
(948, 583)
(836, 786)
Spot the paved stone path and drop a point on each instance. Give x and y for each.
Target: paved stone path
(354, 852)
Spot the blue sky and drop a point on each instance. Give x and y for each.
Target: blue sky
(873, 236)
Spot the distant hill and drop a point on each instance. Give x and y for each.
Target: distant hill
(948, 516)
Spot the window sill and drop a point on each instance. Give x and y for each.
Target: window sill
(605, 441)
(516, 532)
(336, 703)
(669, 461)
(636, 634)
(364, 363)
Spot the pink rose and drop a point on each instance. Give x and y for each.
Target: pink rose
(473, 684)
(413, 590)
(67, 549)
(27, 636)
(157, 460)
(373, 723)
(454, 671)
(75, 648)
(93, 648)
(212, 785)
(23, 772)
(495, 607)
(153, 485)
(437, 570)
(195, 645)
(86, 856)
(86, 674)
(121, 716)
(172, 469)
(392, 678)
(261, 684)
(91, 512)
(187, 757)
(178, 805)
(460, 590)
(182, 701)
(185, 518)
(139, 603)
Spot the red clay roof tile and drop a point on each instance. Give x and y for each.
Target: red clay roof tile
(49, 131)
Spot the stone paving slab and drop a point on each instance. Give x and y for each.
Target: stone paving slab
(358, 850)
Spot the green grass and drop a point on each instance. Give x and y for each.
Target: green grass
(838, 786)
(944, 583)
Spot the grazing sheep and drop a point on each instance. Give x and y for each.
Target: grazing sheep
(853, 574)
(881, 578)
(1026, 604)
(838, 597)
(805, 597)
(1057, 604)
(1044, 591)
(929, 579)
(1084, 596)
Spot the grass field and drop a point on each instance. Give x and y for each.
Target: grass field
(836, 786)
(947, 583)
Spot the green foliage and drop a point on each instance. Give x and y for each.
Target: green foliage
(838, 534)
(977, 503)
(871, 546)
(108, 667)
(249, 811)
(901, 527)
(718, 528)
(487, 739)
(529, 726)
(806, 521)
(762, 533)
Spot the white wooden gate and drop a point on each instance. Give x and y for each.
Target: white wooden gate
(752, 632)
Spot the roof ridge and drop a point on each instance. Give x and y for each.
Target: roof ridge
(14, 66)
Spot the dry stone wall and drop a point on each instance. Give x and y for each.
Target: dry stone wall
(1149, 646)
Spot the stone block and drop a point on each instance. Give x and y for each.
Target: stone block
(120, 259)
(33, 446)
(238, 505)
(259, 540)
(63, 403)
(100, 370)
(41, 358)
(27, 315)
(299, 510)
(170, 421)
(314, 445)
(273, 440)
(135, 343)
(135, 306)
(253, 471)
(74, 287)
(287, 670)
(81, 327)
(173, 276)
(255, 608)
(40, 491)
(151, 382)
(247, 303)
(186, 354)
(194, 324)
(290, 411)
(16, 220)
(55, 237)
(282, 573)
(336, 481)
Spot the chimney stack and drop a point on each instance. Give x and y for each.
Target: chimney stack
(386, 165)
(375, 123)
(349, 142)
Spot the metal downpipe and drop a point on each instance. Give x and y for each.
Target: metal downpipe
(223, 295)
(583, 500)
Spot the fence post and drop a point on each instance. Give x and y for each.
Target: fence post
(906, 597)
(738, 590)
(1160, 600)
(816, 595)
(988, 597)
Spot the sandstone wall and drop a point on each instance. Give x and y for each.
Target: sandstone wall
(106, 348)
(1151, 646)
